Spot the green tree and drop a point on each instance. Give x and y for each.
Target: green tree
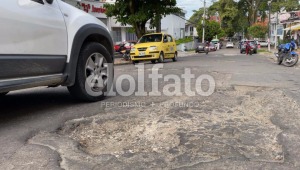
(197, 16)
(136, 13)
(228, 12)
(212, 28)
(288, 5)
(258, 30)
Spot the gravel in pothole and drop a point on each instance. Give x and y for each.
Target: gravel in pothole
(233, 124)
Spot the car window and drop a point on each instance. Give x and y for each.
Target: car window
(170, 39)
(165, 39)
(150, 38)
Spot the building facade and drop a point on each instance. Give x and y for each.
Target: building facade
(286, 25)
(171, 24)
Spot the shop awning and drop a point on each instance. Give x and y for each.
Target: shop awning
(294, 27)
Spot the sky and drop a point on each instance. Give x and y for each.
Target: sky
(190, 5)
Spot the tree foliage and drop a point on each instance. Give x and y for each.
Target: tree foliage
(288, 5)
(228, 12)
(239, 15)
(258, 30)
(212, 29)
(197, 16)
(137, 13)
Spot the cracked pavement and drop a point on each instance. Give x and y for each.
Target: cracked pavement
(251, 121)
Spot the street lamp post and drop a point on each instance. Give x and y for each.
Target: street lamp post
(276, 39)
(203, 22)
(269, 34)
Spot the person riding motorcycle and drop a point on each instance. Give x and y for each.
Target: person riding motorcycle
(207, 44)
(248, 48)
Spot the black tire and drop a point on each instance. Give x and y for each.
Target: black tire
(81, 89)
(279, 60)
(153, 61)
(3, 94)
(161, 58)
(175, 58)
(135, 62)
(292, 63)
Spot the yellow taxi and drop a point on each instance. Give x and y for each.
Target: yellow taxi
(154, 47)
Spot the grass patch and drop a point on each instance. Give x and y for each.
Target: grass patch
(184, 40)
(263, 51)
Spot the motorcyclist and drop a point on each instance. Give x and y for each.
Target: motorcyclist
(248, 47)
(207, 44)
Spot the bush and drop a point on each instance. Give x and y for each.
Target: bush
(184, 40)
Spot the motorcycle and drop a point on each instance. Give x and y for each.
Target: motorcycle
(286, 55)
(124, 50)
(249, 48)
(206, 49)
(251, 51)
(126, 54)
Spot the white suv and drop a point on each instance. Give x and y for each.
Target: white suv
(51, 43)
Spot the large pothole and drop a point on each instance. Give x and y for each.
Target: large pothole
(231, 124)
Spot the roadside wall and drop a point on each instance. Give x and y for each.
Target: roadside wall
(187, 46)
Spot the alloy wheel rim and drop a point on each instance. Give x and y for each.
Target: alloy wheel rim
(96, 72)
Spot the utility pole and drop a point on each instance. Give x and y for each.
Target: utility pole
(269, 34)
(203, 21)
(275, 46)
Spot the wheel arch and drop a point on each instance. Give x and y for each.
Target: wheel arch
(87, 33)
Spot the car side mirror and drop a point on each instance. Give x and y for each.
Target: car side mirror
(49, 1)
(165, 40)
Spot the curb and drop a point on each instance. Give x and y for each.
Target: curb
(120, 61)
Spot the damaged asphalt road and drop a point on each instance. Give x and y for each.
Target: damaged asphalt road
(250, 122)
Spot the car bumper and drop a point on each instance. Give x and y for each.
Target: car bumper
(147, 56)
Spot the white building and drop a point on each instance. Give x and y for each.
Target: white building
(171, 24)
(190, 30)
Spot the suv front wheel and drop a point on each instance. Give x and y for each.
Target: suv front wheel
(3, 94)
(92, 73)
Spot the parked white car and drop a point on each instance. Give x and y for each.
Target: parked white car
(229, 45)
(263, 43)
(50, 43)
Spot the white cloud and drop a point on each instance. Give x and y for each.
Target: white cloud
(190, 5)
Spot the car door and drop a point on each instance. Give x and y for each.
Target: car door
(33, 38)
(165, 45)
(171, 46)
